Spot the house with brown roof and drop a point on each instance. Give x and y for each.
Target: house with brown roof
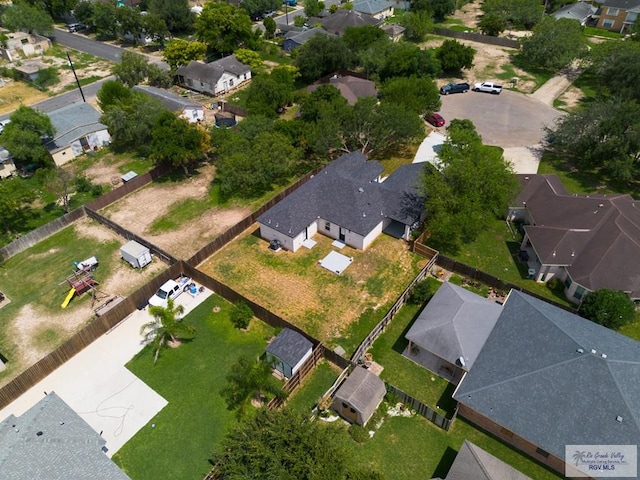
(618, 15)
(352, 86)
(589, 242)
(214, 78)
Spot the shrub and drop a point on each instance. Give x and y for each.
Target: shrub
(241, 315)
(421, 293)
(610, 308)
(359, 433)
(555, 285)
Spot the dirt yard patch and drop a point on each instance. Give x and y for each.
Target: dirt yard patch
(294, 286)
(137, 212)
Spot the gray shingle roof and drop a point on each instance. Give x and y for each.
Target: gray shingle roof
(371, 7)
(73, 122)
(577, 11)
(455, 323)
(622, 4)
(300, 38)
(338, 22)
(289, 346)
(532, 379)
(231, 64)
(597, 237)
(473, 463)
(363, 391)
(213, 71)
(51, 442)
(170, 100)
(345, 193)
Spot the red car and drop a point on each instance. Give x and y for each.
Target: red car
(434, 119)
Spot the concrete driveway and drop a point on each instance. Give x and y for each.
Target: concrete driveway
(510, 120)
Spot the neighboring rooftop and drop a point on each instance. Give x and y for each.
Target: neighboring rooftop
(596, 237)
(351, 87)
(372, 7)
(289, 346)
(73, 122)
(52, 442)
(362, 390)
(170, 100)
(213, 71)
(536, 373)
(575, 11)
(337, 22)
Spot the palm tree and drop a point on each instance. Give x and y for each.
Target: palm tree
(165, 327)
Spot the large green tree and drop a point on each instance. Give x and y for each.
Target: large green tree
(611, 308)
(177, 142)
(24, 135)
(519, 13)
(439, 9)
(473, 186)
(250, 380)
(604, 135)
(321, 55)
(224, 27)
(554, 44)
(20, 16)
(616, 69)
(165, 327)
(15, 197)
(180, 52)
(399, 59)
(417, 24)
(286, 445)
(454, 56)
(134, 69)
(268, 93)
(255, 8)
(419, 95)
(104, 19)
(360, 38)
(55, 8)
(176, 14)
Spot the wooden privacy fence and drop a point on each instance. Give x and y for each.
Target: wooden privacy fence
(296, 379)
(129, 235)
(477, 37)
(231, 233)
(382, 324)
(40, 233)
(84, 337)
(424, 410)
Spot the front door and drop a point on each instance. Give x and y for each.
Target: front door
(341, 235)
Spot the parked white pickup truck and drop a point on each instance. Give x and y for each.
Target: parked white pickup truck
(171, 289)
(488, 87)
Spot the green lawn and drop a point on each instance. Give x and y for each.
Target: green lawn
(190, 378)
(601, 32)
(313, 387)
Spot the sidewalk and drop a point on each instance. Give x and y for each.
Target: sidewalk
(96, 384)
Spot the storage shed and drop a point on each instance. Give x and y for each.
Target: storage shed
(359, 396)
(135, 254)
(288, 351)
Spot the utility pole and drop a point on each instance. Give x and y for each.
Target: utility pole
(76, 76)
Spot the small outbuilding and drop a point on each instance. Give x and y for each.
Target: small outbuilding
(135, 254)
(359, 396)
(288, 352)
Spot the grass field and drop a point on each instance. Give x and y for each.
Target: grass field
(17, 93)
(190, 378)
(323, 304)
(313, 387)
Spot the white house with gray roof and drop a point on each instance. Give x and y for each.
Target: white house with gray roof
(77, 130)
(379, 9)
(546, 378)
(450, 331)
(52, 442)
(214, 78)
(348, 202)
(191, 111)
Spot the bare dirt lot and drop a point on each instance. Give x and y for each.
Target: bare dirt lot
(137, 212)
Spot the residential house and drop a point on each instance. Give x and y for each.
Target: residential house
(288, 352)
(546, 379)
(588, 242)
(352, 86)
(295, 39)
(450, 331)
(214, 78)
(77, 130)
(618, 15)
(183, 107)
(357, 399)
(379, 9)
(51, 442)
(472, 462)
(580, 11)
(348, 202)
(7, 167)
(394, 31)
(337, 22)
(20, 45)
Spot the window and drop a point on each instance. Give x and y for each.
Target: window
(631, 17)
(579, 293)
(542, 453)
(327, 226)
(606, 23)
(613, 11)
(231, 82)
(567, 282)
(344, 405)
(352, 410)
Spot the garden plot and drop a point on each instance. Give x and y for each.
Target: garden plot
(294, 286)
(138, 211)
(33, 324)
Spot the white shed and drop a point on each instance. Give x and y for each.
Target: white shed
(135, 254)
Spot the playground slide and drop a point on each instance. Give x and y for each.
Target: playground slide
(68, 299)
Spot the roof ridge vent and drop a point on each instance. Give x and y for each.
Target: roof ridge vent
(619, 419)
(593, 350)
(361, 190)
(604, 355)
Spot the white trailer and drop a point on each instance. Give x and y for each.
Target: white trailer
(135, 254)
